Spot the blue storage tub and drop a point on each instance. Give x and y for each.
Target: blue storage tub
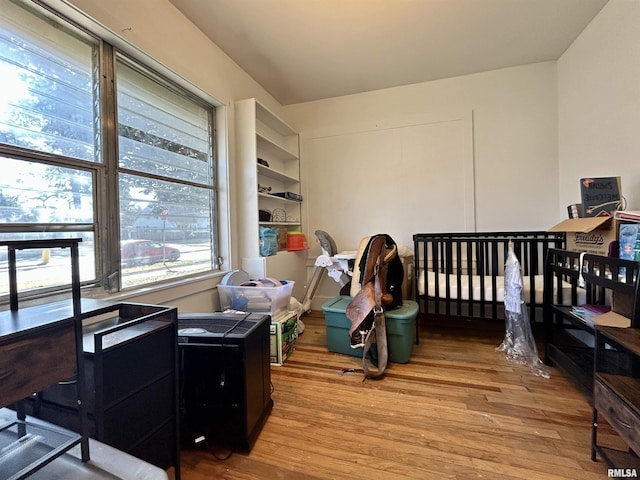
(400, 322)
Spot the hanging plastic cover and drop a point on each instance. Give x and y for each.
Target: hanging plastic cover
(518, 344)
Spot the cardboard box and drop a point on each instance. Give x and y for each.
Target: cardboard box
(282, 239)
(283, 333)
(591, 235)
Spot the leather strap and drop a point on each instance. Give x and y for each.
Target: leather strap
(380, 329)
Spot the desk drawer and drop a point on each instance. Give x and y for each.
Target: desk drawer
(618, 414)
(32, 363)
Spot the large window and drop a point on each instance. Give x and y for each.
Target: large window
(165, 177)
(131, 173)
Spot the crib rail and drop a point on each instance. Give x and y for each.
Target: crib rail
(471, 264)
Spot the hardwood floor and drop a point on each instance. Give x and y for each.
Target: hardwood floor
(457, 410)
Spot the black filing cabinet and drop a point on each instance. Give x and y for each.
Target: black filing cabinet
(130, 357)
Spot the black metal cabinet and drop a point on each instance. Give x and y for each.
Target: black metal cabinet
(130, 359)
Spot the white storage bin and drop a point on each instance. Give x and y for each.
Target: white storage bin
(270, 300)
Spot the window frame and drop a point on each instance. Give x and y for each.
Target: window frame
(105, 167)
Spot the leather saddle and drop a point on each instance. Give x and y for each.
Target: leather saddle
(368, 304)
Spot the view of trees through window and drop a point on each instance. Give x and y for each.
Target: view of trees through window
(55, 160)
(164, 142)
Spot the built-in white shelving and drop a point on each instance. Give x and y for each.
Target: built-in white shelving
(263, 135)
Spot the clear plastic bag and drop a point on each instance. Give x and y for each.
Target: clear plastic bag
(518, 345)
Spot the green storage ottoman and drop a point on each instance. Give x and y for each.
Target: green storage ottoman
(401, 328)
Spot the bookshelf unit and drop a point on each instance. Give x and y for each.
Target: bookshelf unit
(263, 135)
(570, 340)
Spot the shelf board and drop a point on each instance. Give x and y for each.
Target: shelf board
(282, 224)
(26, 447)
(627, 388)
(618, 458)
(267, 145)
(574, 319)
(280, 199)
(628, 338)
(268, 118)
(275, 174)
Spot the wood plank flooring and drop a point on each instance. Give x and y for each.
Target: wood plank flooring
(458, 410)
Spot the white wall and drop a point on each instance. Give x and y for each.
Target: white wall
(378, 178)
(514, 151)
(599, 104)
(509, 131)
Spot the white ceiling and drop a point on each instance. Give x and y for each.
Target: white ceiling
(304, 50)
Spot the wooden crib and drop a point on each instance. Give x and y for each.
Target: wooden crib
(462, 274)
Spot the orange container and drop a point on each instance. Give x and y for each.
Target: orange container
(296, 241)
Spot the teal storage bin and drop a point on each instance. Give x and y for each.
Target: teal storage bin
(401, 329)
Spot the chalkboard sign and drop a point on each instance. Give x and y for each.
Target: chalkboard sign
(600, 196)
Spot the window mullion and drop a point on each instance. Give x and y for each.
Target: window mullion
(107, 200)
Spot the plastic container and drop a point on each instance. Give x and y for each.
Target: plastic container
(400, 322)
(296, 241)
(269, 300)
